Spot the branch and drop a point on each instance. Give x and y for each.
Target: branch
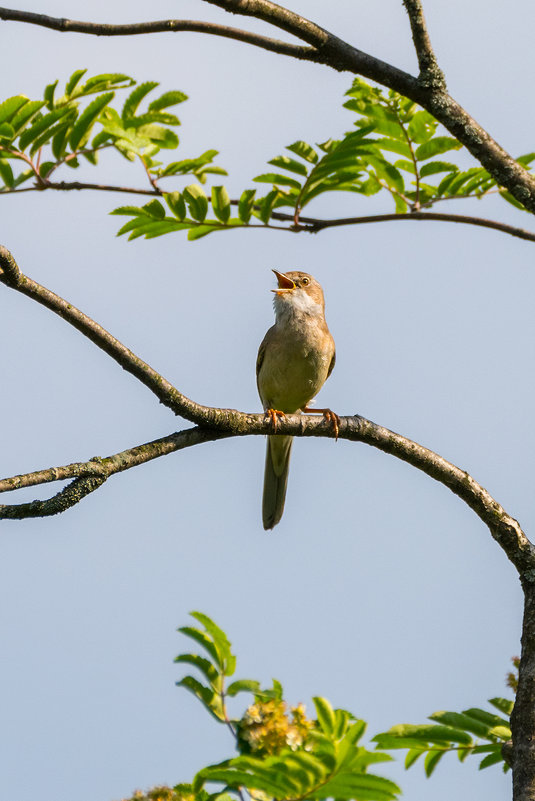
(311, 225)
(216, 423)
(430, 73)
(326, 48)
(159, 26)
(167, 394)
(314, 225)
(88, 476)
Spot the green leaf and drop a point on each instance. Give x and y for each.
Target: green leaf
(502, 732)
(49, 95)
(503, 704)
(435, 167)
(325, 713)
(276, 178)
(265, 206)
(412, 755)
(394, 146)
(245, 205)
(487, 717)
(422, 127)
(45, 168)
(163, 137)
(287, 163)
(221, 203)
(197, 231)
(73, 81)
(512, 200)
(60, 142)
(41, 125)
(133, 100)
(82, 128)
(6, 173)
(242, 686)
(167, 99)
(63, 124)
(407, 166)
(9, 107)
(304, 150)
(462, 721)
(189, 165)
(176, 203)
(6, 131)
(435, 146)
(25, 114)
(221, 641)
(204, 665)
(107, 80)
(210, 700)
(491, 759)
(431, 761)
(204, 640)
(154, 209)
(197, 201)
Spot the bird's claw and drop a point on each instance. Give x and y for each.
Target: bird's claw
(329, 415)
(273, 415)
(334, 419)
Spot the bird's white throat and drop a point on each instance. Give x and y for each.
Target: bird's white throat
(296, 304)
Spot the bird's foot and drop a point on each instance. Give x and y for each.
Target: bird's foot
(329, 415)
(274, 415)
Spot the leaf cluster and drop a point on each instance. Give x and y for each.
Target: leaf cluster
(471, 732)
(327, 761)
(42, 135)
(394, 148)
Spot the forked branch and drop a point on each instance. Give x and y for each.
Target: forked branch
(214, 423)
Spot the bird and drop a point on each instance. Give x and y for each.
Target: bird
(295, 358)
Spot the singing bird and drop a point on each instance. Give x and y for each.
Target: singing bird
(295, 359)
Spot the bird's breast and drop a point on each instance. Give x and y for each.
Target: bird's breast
(295, 366)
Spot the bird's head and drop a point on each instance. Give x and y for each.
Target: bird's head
(298, 293)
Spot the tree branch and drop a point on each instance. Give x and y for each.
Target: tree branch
(88, 476)
(314, 225)
(430, 73)
(164, 390)
(215, 423)
(159, 26)
(311, 225)
(328, 49)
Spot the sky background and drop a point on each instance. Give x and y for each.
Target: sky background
(379, 589)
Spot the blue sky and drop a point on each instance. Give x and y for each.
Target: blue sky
(379, 589)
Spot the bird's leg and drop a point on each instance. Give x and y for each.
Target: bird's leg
(274, 415)
(328, 414)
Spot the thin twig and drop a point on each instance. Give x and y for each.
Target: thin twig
(158, 26)
(306, 224)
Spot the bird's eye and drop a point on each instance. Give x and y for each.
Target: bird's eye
(305, 281)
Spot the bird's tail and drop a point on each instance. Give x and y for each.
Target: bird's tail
(275, 479)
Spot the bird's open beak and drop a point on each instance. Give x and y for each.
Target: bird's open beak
(285, 284)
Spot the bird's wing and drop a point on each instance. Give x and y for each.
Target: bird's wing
(260, 357)
(333, 361)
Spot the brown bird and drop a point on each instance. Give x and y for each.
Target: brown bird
(295, 359)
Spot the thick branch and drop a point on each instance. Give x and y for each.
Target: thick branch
(159, 26)
(430, 73)
(504, 529)
(164, 390)
(326, 48)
